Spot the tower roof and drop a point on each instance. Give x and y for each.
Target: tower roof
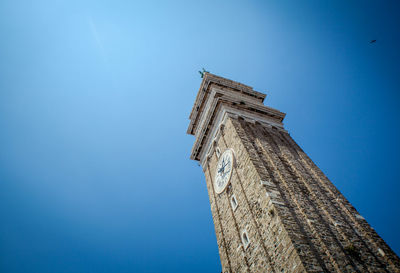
(218, 94)
(210, 80)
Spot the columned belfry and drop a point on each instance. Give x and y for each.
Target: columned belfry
(273, 208)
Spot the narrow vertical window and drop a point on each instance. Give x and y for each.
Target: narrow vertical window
(218, 152)
(245, 239)
(234, 202)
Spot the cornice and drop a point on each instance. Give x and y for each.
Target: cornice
(210, 80)
(238, 104)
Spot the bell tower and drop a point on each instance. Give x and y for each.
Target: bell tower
(273, 208)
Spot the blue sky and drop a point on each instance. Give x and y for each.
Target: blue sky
(95, 96)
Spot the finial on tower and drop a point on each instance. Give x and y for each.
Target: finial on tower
(202, 72)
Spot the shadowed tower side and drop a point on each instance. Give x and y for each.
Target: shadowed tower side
(273, 208)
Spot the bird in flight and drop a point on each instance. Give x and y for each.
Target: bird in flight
(372, 41)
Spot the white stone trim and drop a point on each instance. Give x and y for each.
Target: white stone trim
(214, 97)
(273, 194)
(266, 183)
(358, 216)
(221, 118)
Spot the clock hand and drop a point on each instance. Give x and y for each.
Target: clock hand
(221, 169)
(223, 165)
(227, 171)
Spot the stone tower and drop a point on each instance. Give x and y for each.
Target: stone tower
(273, 208)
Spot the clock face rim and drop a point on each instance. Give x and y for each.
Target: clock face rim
(217, 189)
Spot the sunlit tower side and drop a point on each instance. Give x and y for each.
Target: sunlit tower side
(273, 208)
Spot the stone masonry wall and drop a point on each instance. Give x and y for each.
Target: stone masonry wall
(295, 219)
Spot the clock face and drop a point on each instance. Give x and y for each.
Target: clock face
(224, 171)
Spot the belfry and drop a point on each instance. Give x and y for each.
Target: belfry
(273, 208)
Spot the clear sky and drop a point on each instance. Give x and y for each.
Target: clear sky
(95, 174)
